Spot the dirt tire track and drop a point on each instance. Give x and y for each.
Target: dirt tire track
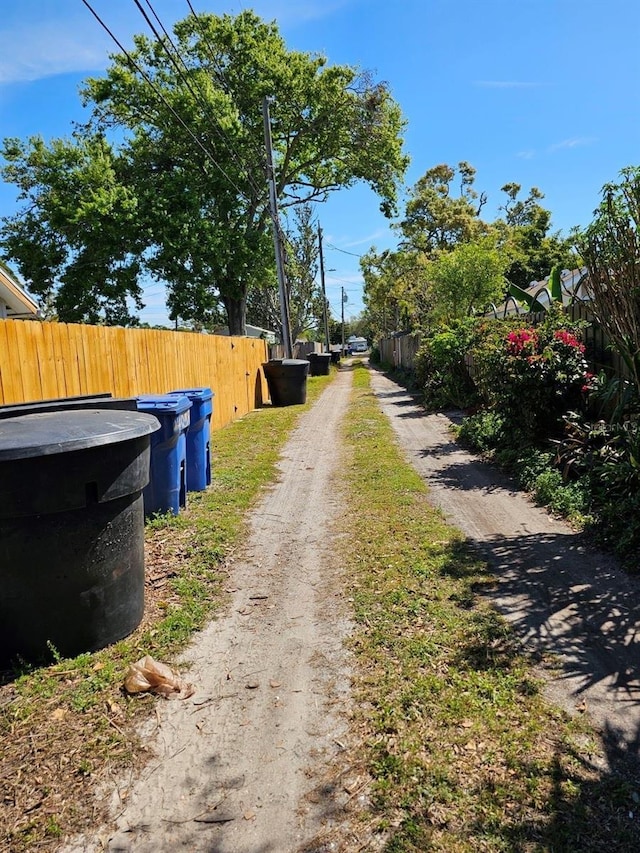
(563, 598)
(238, 766)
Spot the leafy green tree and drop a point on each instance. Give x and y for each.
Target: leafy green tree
(304, 293)
(395, 293)
(77, 240)
(526, 228)
(187, 116)
(467, 278)
(436, 219)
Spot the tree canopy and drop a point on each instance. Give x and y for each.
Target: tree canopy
(450, 261)
(185, 186)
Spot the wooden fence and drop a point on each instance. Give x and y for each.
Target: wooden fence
(400, 350)
(300, 349)
(39, 361)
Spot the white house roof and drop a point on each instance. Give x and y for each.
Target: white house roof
(573, 288)
(15, 303)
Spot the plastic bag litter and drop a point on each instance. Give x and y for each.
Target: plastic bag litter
(150, 676)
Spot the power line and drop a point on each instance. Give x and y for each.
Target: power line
(344, 251)
(198, 96)
(159, 94)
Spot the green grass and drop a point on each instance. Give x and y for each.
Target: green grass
(64, 726)
(465, 753)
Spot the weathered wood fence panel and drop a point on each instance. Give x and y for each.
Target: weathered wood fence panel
(400, 350)
(39, 361)
(300, 349)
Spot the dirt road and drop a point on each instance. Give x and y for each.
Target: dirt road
(240, 766)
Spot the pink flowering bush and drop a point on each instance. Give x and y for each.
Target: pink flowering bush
(522, 341)
(531, 377)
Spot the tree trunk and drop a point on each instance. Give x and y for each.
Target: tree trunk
(236, 308)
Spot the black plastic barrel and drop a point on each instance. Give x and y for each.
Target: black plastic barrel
(287, 380)
(71, 530)
(62, 404)
(320, 363)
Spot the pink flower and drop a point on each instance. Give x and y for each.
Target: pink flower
(569, 340)
(588, 383)
(520, 340)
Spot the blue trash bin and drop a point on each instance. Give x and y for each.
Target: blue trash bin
(198, 437)
(167, 487)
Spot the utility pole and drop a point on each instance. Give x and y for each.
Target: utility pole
(342, 306)
(324, 292)
(277, 242)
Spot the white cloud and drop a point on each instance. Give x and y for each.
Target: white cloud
(31, 51)
(575, 142)
(527, 154)
(361, 241)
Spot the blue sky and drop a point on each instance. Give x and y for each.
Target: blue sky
(541, 92)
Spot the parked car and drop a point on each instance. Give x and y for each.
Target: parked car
(358, 345)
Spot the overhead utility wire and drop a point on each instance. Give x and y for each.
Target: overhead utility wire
(344, 251)
(156, 91)
(198, 96)
(258, 151)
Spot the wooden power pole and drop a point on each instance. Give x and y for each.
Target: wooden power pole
(277, 240)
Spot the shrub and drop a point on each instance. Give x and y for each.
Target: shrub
(532, 376)
(441, 372)
(483, 431)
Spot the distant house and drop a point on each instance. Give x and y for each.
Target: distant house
(15, 303)
(573, 284)
(251, 332)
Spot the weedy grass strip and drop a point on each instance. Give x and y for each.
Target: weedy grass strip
(464, 751)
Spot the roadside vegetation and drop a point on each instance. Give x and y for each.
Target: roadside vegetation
(464, 752)
(69, 727)
(569, 437)
(561, 418)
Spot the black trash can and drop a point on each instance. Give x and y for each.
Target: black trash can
(71, 530)
(287, 380)
(335, 356)
(319, 362)
(62, 404)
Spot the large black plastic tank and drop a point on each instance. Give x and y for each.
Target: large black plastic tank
(320, 363)
(71, 530)
(100, 401)
(287, 380)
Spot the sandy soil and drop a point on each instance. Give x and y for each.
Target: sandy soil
(251, 763)
(240, 765)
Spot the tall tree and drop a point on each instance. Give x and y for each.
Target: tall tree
(304, 294)
(468, 277)
(436, 218)
(395, 292)
(77, 241)
(186, 112)
(535, 251)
